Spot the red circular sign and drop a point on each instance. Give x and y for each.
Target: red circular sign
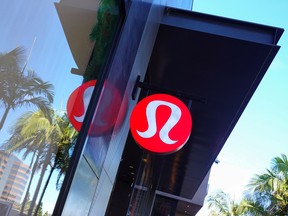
(78, 102)
(108, 111)
(161, 123)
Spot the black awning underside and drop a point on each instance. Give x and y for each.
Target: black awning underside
(219, 59)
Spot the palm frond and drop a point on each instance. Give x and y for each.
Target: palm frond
(249, 206)
(280, 166)
(219, 201)
(13, 58)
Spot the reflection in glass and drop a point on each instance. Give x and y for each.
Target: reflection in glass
(48, 140)
(36, 138)
(164, 206)
(83, 189)
(19, 88)
(44, 47)
(102, 34)
(13, 177)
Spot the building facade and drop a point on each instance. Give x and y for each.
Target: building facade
(131, 49)
(14, 175)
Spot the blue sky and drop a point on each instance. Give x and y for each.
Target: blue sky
(262, 131)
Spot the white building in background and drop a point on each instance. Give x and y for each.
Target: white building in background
(14, 175)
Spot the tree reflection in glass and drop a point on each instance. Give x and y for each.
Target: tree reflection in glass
(45, 136)
(20, 88)
(49, 139)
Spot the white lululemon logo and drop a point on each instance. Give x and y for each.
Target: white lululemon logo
(86, 99)
(151, 119)
(161, 123)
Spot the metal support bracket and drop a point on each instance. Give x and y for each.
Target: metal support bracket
(177, 93)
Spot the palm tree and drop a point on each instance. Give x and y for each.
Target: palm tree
(65, 147)
(19, 88)
(11, 61)
(221, 204)
(251, 207)
(49, 138)
(269, 191)
(27, 137)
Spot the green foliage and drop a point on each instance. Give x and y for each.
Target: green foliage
(46, 214)
(267, 194)
(222, 205)
(65, 148)
(40, 210)
(270, 189)
(102, 34)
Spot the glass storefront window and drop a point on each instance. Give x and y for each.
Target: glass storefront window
(47, 49)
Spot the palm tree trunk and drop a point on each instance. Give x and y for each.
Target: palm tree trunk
(44, 167)
(4, 116)
(29, 184)
(33, 202)
(44, 190)
(33, 156)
